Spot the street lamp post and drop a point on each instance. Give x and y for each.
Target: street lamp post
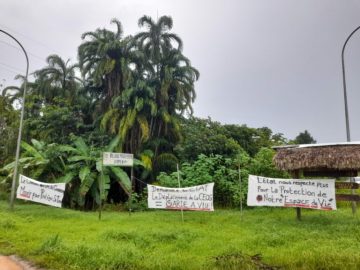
(344, 85)
(353, 204)
(13, 185)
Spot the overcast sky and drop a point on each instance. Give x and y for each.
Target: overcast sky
(274, 63)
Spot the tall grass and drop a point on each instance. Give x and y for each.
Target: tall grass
(263, 238)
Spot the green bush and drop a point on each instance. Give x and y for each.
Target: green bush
(224, 172)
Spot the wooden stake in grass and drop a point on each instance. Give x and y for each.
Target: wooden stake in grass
(296, 175)
(241, 206)
(131, 190)
(101, 186)
(178, 173)
(353, 204)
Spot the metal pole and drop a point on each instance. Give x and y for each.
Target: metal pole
(15, 176)
(344, 85)
(353, 204)
(178, 173)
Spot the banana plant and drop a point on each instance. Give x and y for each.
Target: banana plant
(85, 174)
(38, 160)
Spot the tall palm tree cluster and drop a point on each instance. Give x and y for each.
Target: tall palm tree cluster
(131, 88)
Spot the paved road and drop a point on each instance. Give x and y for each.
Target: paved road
(14, 263)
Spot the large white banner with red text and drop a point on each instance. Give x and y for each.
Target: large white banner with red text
(304, 193)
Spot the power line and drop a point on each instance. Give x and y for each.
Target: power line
(9, 70)
(29, 38)
(17, 48)
(11, 67)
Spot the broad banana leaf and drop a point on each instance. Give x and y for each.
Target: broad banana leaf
(86, 184)
(11, 165)
(67, 148)
(66, 178)
(105, 186)
(81, 146)
(84, 173)
(123, 179)
(114, 142)
(38, 145)
(79, 158)
(31, 150)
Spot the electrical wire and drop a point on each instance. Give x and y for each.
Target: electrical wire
(17, 48)
(11, 67)
(9, 70)
(27, 37)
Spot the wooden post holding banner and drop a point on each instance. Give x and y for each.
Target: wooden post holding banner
(101, 185)
(296, 175)
(131, 190)
(241, 206)
(178, 173)
(353, 203)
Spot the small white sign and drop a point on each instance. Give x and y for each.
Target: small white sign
(196, 198)
(118, 159)
(32, 190)
(304, 193)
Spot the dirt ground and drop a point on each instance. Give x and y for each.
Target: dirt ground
(15, 263)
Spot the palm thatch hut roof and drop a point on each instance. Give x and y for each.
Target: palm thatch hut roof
(337, 159)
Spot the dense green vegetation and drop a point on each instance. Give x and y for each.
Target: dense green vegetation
(126, 94)
(261, 239)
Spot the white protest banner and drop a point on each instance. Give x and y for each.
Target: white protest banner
(303, 193)
(196, 198)
(118, 159)
(32, 190)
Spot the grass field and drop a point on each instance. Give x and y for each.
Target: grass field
(264, 238)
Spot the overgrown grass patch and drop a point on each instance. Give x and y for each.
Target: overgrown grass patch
(262, 238)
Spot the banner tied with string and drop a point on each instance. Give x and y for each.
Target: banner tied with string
(32, 190)
(195, 198)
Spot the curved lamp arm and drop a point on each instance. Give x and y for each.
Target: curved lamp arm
(344, 85)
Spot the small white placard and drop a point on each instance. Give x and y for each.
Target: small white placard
(118, 159)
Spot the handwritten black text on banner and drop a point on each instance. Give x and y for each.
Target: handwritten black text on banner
(197, 198)
(314, 193)
(32, 190)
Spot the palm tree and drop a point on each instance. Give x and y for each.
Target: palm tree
(15, 93)
(175, 95)
(177, 82)
(57, 79)
(173, 80)
(157, 39)
(130, 114)
(105, 61)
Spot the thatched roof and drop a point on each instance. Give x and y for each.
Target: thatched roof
(319, 157)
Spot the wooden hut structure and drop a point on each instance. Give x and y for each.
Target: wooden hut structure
(319, 160)
(328, 160)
